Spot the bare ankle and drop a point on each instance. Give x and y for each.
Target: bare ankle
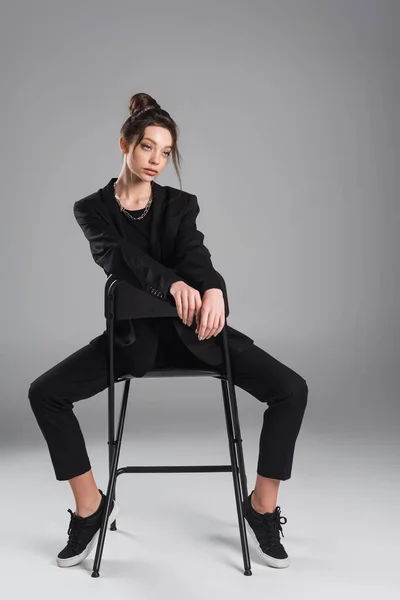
(262, 507)
(265, 494)
(86, 493)
(87, 508)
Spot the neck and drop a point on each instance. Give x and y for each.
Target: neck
(133, 192)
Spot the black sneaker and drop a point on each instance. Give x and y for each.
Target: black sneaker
(264, 529)
(83, 534)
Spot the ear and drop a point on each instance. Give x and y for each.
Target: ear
(122, 145)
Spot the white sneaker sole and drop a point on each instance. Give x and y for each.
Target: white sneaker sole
(277, 563)
(75, 560)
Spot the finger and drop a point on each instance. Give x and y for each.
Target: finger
(204, 325)
(185, 305)
(215, 326)
(211, 326)
(192, 307)
(197, 307)
(199, 304)
(198, 319)
(221, 325)
(178, 302)
(214, 329)
(207, 333)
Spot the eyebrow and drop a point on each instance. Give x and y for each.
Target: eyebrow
(147, 138)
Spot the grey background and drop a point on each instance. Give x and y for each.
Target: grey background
(289, 130)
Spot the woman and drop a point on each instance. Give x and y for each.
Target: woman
(146, 234)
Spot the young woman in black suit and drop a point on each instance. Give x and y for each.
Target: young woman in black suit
(130, 248)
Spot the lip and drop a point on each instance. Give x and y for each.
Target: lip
(150, 171)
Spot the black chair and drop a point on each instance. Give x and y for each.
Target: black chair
(125, 301)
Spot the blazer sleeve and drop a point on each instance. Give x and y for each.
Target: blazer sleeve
(119, 257)
(192, 257)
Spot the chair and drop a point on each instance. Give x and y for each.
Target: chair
(123, 301)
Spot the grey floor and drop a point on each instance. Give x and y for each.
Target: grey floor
(178, 535)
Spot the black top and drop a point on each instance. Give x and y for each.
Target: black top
(141, 227)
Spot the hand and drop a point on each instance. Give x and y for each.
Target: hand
(187, 300)
(212, 318)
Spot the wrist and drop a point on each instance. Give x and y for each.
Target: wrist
(173, 284)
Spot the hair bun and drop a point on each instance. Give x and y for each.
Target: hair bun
(141, 101)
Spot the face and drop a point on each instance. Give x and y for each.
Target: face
(151, 153)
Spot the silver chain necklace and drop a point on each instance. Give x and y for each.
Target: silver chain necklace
(125, 211)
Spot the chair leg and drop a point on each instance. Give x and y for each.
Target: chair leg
(111, 481)
(229, 387)
(112, 446)
(238, 468)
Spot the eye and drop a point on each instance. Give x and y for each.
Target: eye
(148, 146)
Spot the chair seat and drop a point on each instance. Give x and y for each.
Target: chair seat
(175, 372)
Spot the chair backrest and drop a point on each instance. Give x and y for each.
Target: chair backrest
(130, 302)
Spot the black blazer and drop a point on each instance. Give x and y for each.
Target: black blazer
(177, 254)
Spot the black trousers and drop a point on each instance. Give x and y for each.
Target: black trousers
(84, 374)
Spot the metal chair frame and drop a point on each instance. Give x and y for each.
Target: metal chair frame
(120, 299)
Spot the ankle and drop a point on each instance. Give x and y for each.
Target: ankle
(88, 506)
(262, 507)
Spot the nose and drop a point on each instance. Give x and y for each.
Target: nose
(155, 157)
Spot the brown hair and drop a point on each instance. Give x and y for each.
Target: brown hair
(154, 115)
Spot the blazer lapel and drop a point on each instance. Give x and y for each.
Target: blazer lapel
(157, 212)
